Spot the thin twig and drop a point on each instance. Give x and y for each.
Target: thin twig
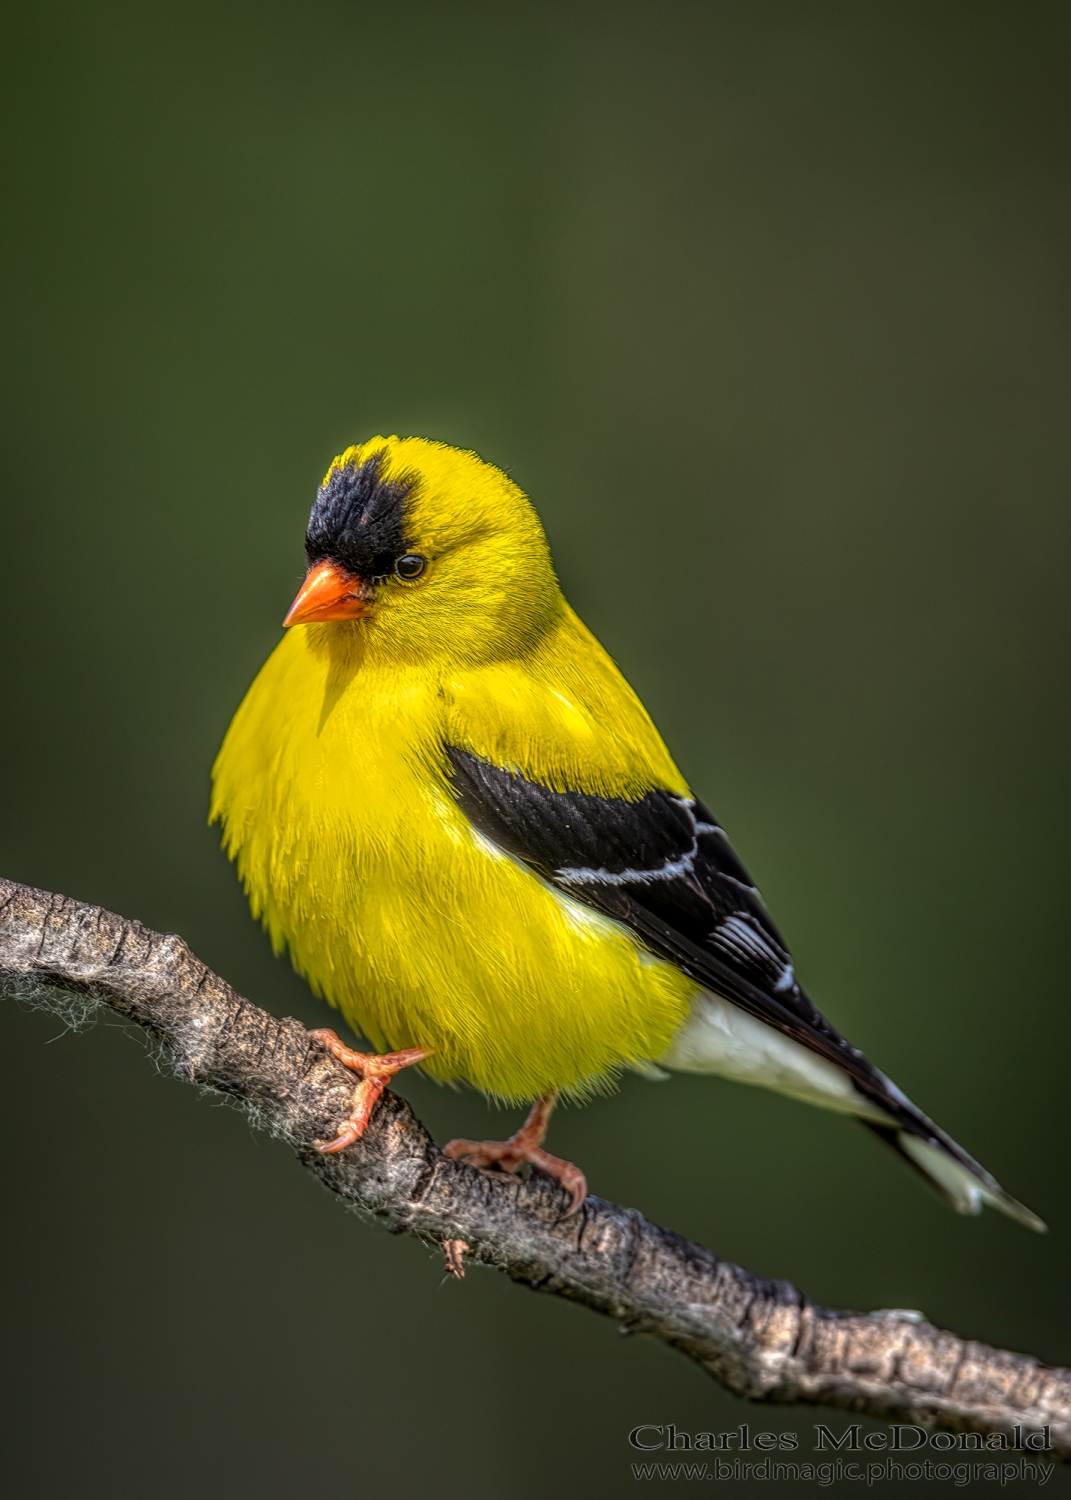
(760, 1339)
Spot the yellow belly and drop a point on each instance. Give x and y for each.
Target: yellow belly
(357, 859)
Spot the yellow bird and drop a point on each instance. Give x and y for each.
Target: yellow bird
(444, 799)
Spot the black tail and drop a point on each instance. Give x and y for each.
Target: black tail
(953, 1175)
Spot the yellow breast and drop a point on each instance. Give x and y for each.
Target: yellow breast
(332, 787)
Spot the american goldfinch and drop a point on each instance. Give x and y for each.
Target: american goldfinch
(447, 803)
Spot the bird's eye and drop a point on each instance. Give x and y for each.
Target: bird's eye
(410, 566)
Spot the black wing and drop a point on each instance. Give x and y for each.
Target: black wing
(664, 867)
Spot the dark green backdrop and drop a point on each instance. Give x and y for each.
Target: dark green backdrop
(766, 305)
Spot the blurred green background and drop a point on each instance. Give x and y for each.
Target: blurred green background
(767, 307)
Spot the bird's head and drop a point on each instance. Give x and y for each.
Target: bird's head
(429, 549)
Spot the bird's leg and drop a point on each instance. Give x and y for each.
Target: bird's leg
(525, 1146)
(376, 1073)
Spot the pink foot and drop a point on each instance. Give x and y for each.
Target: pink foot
(376, 1073)
(525, 1146)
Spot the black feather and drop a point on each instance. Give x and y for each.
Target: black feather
(358, 519)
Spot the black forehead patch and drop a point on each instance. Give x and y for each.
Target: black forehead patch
(358, 519)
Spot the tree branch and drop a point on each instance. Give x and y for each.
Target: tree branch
(760, 1339)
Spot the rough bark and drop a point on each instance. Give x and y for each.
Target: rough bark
(761, 1339)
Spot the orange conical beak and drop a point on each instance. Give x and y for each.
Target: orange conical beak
(328, 593)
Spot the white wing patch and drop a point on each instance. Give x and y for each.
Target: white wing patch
(671, 870)
(738, 934)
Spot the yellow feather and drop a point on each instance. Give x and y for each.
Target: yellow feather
(332, 786)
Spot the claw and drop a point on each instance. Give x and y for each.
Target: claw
(525, 1146)
(453, 1251)
(376, 1072)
